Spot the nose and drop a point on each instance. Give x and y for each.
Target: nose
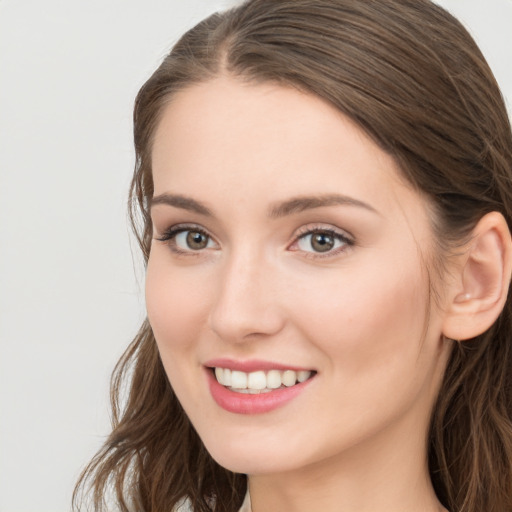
(246, 305)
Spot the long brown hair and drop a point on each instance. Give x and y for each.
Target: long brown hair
(411, 76)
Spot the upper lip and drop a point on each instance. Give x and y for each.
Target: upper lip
(252, 365)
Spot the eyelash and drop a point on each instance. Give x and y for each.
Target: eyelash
(340, 236)
(169, 237)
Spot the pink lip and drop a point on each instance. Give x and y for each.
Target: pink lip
(253, 365)
(242, 403)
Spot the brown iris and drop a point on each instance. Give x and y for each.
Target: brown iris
(196, 240)
(322, 242)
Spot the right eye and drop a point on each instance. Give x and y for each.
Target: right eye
(183, 239)
(194, 240)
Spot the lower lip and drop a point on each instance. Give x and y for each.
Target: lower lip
(243, 403)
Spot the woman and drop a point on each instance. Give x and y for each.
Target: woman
(326, 198)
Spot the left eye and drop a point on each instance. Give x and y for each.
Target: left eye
(192, 240)
(320, 241)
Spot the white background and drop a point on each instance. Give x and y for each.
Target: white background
(70, 295)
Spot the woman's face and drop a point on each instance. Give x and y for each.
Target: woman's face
(287, 247)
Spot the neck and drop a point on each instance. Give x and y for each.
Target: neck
(370, 477)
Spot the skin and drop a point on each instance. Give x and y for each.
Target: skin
(359, 315)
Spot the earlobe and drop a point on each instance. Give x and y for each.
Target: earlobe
(482, 286)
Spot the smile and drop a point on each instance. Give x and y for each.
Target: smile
(261, 388)
(259, 381)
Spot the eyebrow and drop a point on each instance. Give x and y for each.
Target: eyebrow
(183, 202)
(289, 207)
(300, 204)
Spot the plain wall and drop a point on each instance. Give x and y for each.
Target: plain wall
(71, 296)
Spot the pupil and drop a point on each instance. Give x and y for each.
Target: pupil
(322, 242)
(196, 240)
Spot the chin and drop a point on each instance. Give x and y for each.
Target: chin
(243, 455)
(246, 464)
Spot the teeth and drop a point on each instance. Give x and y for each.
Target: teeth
(257, 380)
(252, 391)
(289, 378)
(227, 377)
(260, 381)
(274, 379)
(238, 380)
(301, 376)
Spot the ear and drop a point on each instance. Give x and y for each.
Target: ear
(482, 281)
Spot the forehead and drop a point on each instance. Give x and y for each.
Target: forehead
(263, 143)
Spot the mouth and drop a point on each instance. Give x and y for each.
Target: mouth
(255, 386)
(260, 381)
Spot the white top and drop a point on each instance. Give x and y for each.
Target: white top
(246, 505)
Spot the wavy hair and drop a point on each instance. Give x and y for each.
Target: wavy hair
(413, 79)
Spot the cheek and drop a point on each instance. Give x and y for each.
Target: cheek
(177, 310)
(369, 318)
(370, 334)
(176, 302)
